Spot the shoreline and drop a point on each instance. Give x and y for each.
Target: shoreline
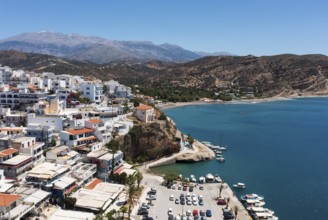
(170, 105)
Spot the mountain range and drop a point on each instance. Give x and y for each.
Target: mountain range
(96, 49)
(283, 75)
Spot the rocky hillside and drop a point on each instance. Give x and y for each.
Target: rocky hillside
(269, 75)
(150, 141)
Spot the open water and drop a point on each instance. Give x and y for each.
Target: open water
(278, 149)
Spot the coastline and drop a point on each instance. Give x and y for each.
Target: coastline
(170, 105)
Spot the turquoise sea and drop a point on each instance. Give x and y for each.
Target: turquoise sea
(278, 149)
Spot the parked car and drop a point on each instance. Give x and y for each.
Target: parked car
(151, 197)
(203, 218)
(184, 188)
(177, 201)
(174, 186)
(201, 213)
(188, 202)
(221, 201)
(208, 213)
(142, 211)
(201, 202)
(169, 211)
(153, 189)
(188, 212)
(195, 212)
(171, 198)
(201, 187)
(191, 188)
(145, 205)
(182, 202)
(179, 187)
(182, 195)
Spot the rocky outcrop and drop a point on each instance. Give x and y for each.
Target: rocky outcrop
(150, 141)
(200, 153)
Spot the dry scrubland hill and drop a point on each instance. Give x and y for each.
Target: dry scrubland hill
(272, 75)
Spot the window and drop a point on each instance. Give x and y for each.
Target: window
(87, 93)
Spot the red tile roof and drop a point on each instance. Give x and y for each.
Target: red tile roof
(95, 121)
(93, 183)
(7, 152)
(8, 199)
(143, 107)
(79, 131)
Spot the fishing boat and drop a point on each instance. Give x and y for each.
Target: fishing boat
(239, 185)
(252, 196)
(222, 148)
(209, 178)
(220, 159)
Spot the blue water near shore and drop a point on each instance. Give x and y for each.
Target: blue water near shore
(278, 149)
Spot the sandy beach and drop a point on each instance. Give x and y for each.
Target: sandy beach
(168, 105)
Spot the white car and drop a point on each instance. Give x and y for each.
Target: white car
(174, 186)
(171, 197)
(170, 212)
(194, 202)
(188, 202)
(188, 212)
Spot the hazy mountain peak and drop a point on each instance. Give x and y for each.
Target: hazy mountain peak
(95, 49)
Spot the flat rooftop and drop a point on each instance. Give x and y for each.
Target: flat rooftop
(17, 160)
(61, 214)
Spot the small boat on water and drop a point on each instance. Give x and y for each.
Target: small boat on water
(220, 159)
(254, 203)
(239, 185)
(217, 151)
(222, 148)
(252, 196)
(217, 178)
(209, 178)
(193, 178)
(262, 213)
(206, 142)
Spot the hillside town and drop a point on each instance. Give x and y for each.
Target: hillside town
(56, 144)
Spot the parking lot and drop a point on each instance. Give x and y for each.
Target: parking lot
(160, 207)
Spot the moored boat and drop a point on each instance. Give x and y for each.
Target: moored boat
(202, 179)
(239, 185)
(217, 178)
(252, 196)
(209, 177)
(220, 159)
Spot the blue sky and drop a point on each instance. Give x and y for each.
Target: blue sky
(259, 27)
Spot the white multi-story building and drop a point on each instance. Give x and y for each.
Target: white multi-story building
(116, 90)
(103, 133)
(5, 74)
(92, 91)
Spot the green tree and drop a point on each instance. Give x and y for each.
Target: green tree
(69, 202)
(190, 139)
(113, 146)
(139, 177)
(123, 209)
(99, 217)
(53, 142)
(111, 214)
(170, 177)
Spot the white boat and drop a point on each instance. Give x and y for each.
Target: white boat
(193, 178)
(252, 196)
(222, 148)
(239, 185)
(209, 177)
(206, 142)
(254, 203)
(220, 159)
(218, 151)
(202, 179)
(217, 179)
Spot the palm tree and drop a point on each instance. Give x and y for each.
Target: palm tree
(113, 146)
(235, 211)
(139, 177)
(131, 198)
